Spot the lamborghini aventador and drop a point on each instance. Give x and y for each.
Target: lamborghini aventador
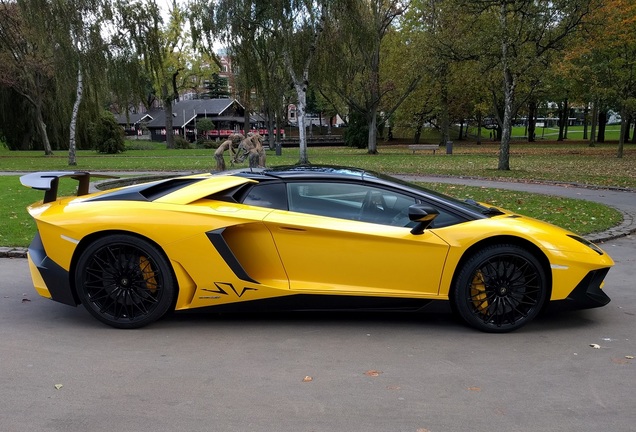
(300, 238)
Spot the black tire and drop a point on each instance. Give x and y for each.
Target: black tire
(500, 288)
(124, 281)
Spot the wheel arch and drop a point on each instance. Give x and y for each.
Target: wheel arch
(506, 239)
(91, 238)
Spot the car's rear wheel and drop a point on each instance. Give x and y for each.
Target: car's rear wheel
(500, 288)
(124, 281)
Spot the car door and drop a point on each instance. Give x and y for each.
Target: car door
(349, 238)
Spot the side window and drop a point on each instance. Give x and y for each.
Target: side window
(270, 195)
(350, 201)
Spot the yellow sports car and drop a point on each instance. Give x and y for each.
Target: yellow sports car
(301, 238)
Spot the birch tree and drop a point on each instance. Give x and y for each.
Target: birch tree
(293, 27)
(81, 26)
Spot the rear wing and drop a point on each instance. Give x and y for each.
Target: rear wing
(48, 182)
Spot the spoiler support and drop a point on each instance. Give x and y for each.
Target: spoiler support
(48, 181)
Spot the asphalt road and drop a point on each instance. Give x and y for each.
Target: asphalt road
(369, 372)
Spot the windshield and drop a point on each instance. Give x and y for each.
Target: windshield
(468, 204)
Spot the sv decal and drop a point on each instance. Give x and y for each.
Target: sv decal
(226, 288)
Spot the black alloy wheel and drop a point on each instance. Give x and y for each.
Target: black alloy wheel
(124, 281)
(500, 288)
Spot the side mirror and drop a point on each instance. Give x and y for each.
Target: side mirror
(423, 215)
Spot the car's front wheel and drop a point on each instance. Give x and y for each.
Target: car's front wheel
(500, 288)
(124, 281)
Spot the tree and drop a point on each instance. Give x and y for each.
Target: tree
(81, 23)
(299, 32)
(164, 50)
(526, 32)
(217, 87)
(603, 61)
(437, 40)
(292, 29)
(108, 135)
(27, 58)
(204, 126)
(359, 34)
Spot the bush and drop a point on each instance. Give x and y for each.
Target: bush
(203, 143)
(181, 143)
(107, 135)
(357, 134)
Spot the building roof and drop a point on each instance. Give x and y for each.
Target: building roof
(184, 111)
(135, 118)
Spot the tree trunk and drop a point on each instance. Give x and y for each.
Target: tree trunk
(624, 128)
(561, 120)
(602, 122)
(373, 132)
(169, 131)
(247, 126)
(509, 95)
(479, 128)
(301, 106)
(72, 146)
(532, 119)
(375, 100)
(566, 118)
(627, 126)
(586, 111)
(506, 127)
(594, 123)
(42, 129)
(418, 133)
(444, 116)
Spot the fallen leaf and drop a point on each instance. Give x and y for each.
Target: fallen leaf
(373, 373)
(307, 379)
(475, 389)
(629, 357)
(58, 386)
(595, 346)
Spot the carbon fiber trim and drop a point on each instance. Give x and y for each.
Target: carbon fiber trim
(216, 237)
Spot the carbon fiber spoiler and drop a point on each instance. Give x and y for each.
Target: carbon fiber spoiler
(48, 182)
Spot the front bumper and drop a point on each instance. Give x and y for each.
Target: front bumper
(587, 294)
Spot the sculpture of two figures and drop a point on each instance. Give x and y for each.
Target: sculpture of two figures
(241, 147)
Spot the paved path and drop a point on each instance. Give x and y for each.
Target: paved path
(622, 200)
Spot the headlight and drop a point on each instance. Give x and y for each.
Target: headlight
(586, 243)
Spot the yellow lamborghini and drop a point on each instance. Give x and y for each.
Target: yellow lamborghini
(301, 238)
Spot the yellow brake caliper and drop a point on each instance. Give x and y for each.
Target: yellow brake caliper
(149, 274)
(478, 292)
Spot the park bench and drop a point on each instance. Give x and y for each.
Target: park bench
(415, 147)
